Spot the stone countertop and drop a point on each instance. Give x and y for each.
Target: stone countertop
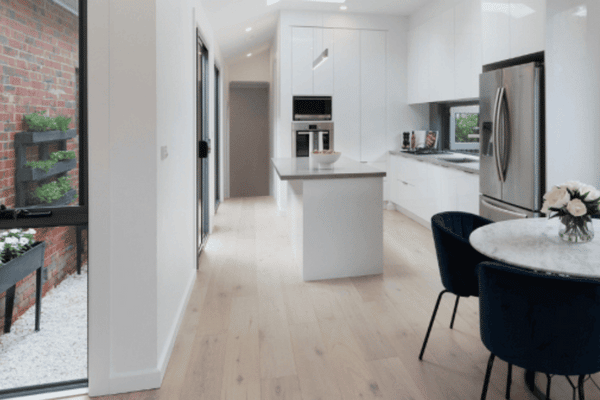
(307, 168)
(534, 243)
(470, 167)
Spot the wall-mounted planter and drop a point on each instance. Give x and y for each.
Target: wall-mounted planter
(66, 199)
(28, 174)
(16, 270)
(42, 137)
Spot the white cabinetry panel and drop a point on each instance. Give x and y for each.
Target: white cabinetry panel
(346, 92)
(512, 28)
(495, 26)
(373, 95)
(441, 56)
(422, 78)
(527, 27)
(302, 59)
(323, 76)
(413, 67)
(467, 47)
(426, 189)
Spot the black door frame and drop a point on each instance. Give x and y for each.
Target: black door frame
(217, 138)
(61, 216)
(202, 165)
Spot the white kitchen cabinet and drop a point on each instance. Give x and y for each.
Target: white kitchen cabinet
(527, 27)
(495, 30)
(441, 56)
(512, 28)
(445, 55)
(373, 96)
(323, 76)
(425, 189)
(302, 59)
(346, 92)
(422, 77)
(467, 49)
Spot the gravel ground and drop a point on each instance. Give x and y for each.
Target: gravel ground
(58, 352)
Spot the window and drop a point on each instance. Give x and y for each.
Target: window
(462, 121)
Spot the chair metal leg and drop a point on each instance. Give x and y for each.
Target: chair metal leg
(508, 381)
(548, 387)
(580, 387)
(454, 312)
(437, 304)
(488, 372)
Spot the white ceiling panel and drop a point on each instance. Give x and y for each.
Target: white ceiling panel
(230, 18)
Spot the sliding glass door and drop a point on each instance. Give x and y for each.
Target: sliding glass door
(202, 142)
(44, 197)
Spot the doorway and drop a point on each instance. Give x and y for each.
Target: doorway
(249, 143)
(203, 147)
(44, 197)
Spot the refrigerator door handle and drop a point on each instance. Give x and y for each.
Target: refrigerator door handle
(503, 161)
(496, 131)
(504, 210)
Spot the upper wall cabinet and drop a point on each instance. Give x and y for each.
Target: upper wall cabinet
(302, 60)
(444, 55)
(323, 76)
(512, 28)
(307, 45)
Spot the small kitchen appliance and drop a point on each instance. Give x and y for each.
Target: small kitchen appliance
(310, 136)
(312, 108)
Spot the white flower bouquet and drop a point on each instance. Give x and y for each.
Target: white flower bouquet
(573, 203)
(15, 242)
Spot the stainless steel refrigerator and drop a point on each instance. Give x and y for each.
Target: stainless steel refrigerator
(511, 126)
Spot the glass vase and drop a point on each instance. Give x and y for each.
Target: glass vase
(576, 229)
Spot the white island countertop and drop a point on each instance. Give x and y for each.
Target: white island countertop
(307, 168)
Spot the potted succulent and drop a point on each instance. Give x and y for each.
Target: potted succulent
(20, 255)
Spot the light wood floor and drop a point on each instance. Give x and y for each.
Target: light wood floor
(254, 330)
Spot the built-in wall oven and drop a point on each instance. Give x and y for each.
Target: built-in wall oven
(310, 136)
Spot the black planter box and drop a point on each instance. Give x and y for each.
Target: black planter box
(28, 174)
(66, 199)
(41, 137)
(16, 270)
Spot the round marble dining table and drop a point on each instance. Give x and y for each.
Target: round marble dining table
(534, 243)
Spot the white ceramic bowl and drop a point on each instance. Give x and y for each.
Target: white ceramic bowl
(326, 161)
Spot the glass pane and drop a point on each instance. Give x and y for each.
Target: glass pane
(39, 103)
(58, 351)
(465, 122)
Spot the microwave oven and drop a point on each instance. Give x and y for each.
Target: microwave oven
(312, 108)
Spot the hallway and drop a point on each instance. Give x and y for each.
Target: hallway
(254, 330)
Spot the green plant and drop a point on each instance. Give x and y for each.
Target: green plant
(54, 190)
(54, 158)
(465, 122)
(62, 122)
(38, 122)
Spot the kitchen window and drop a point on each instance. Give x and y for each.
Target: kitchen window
(462, 121)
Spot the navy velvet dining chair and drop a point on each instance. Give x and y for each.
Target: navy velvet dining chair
(457, 259)
(540, 322)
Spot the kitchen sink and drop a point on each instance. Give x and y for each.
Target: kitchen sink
(457, 160)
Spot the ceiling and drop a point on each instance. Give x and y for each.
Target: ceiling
(230, 18)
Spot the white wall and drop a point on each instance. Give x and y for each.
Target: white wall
(400, 116)
(252, 69)
(142, 251)
(572, 61)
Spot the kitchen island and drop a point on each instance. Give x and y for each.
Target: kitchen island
(336, 217)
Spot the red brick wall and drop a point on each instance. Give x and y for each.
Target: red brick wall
(39, 60)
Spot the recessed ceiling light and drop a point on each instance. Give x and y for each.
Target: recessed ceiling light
(343, 7)
(248, 29)
(248, 55)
